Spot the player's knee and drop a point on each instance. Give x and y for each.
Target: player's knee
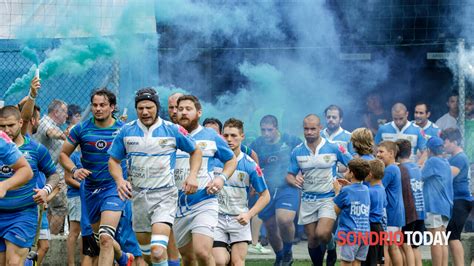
(238, 261)
(323, 236)
(106, 236)
(13, 260)
(158, 247)
(221, 260)
(202, 254)
(285, 222)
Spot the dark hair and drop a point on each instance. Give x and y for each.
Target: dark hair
(109, 95)
(234, 122)
(269, 119)
(404, 148)
(10, 110)
(212, 120)
(37, 109)
(72, 110)
(454, 92)
(452, 134)
(333, 107)
(360, 168)
(390, 146)
(428, 107)
(192, 98)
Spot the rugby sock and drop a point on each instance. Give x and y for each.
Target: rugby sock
(317, 255)
(279, 255)
(162, 263)
(174, 262)
(123, 259)
(287, 247)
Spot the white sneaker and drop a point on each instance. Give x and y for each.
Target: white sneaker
(258, 249)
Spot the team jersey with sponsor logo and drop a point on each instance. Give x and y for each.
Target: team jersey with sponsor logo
(410, 132)
(354, 202)
(213, 148)
(151, 152)
(94, 142)
(318, 168)
(40, 161)
(274, 159)
(233, 199)
(341, 137)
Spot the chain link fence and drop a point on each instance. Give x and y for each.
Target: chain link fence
(72, 89)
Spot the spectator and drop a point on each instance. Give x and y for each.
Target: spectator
(375, 115)
(450, 119)
(50, 135)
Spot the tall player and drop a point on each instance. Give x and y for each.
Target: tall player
(103, 204)
(197, 214)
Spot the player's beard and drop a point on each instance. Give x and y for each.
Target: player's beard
(192, 124)
(16, 134)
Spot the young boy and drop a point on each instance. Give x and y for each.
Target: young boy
(233, 229)
(403, 158)
(352, 202)
(438, 194)
(378, 203)
(416, 184)
(387, 152)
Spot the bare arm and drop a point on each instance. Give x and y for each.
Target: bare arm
(254, 156)
(262, 201)
(68, 165)
(296, 181)
(455, 171)
(124, 187)
(29, 106)
(190, 185)
(69, 179)
(55, 134)
(423, 156)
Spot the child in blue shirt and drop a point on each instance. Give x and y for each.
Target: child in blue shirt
(392, 181)
(352, 204)
(438, 194)
(462, 198)
(378, 203)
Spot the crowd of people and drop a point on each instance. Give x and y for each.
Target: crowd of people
(157, 192)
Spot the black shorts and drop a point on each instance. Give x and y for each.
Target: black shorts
(375, 254)
(89, 246)
(416, 226)
(461, 210)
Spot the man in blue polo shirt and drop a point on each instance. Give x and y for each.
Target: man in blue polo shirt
(401, 128)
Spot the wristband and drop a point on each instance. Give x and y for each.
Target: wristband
(48, 188)
(73, 170)
(31, 97)
(223, 176)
